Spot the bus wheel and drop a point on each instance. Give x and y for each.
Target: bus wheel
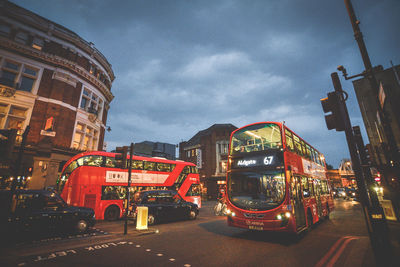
(81, 226)
(192, 215)
(309, 219)
(151, 219)
(111, 213)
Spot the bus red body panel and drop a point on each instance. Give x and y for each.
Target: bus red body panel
(275, 180)
(90, 179)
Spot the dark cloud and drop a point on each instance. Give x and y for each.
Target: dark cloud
(183, 65)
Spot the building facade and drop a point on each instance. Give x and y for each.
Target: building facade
(208, 149)
(155, 149)
(56, 83)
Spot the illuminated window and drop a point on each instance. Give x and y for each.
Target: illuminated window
(85, 137)
(13, 117)
(37, 43)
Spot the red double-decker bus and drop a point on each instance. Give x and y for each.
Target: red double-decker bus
(275, 181)
(91, 179)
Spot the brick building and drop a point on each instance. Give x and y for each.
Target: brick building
(55, 82)
(208, 149)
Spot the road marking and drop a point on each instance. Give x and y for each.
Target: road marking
(343, 241)
(138, 246)
(172, 259)
(340, 251)
(22, 264)
(160, 255)
(148, 249)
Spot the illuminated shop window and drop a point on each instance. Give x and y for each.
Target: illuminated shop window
(13, 117)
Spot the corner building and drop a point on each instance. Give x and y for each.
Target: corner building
(56, 83)
(208, 149)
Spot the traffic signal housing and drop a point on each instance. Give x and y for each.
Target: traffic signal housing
(332, 104)
(121, 157)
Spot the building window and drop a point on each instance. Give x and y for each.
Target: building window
(22, 38)
(91, 102)
(5, 30)
(13, 117)
(13, 73)
(85, 137)
(37, 43)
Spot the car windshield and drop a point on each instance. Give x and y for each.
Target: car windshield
(257, 190)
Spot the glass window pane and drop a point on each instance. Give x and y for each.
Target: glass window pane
(110, 162)
(12, 65)
(8, 78)
(77, 140)
(5, 30)
(137, 165)
(17, 111)
(79, 127)
(149, 166)
(86, 92)
(83, 103)
(30, 71)
(26, 84)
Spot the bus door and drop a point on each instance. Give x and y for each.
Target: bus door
(298, 202)
(318, 197)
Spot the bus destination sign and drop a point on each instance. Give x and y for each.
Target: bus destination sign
(268, 160)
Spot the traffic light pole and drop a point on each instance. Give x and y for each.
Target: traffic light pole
(127, 189)
(373, 213)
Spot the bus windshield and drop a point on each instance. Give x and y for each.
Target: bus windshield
(257, 137)
(256, 190)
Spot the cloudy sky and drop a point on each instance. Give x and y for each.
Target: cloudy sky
(182, 66)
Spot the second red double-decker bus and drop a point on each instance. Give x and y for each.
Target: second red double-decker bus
(275, 181)
(90, 179)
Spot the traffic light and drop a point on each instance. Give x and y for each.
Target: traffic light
(121, 157)
(7, 141)
(332, 104)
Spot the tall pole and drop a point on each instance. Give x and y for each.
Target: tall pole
(392, 153)
(127, 189)
(373, 213)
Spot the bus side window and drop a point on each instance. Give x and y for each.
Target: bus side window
(110, 162)
(311, 186)
(297, 145)
(137, 165)
(289, 141)
(149, 166)
(163, 167)
(306, 191)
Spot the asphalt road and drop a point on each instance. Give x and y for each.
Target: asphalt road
(208, 241)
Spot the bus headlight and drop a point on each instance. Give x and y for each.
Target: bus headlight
(279, 217)
(287, 214)
(233, 214)
(228, 211)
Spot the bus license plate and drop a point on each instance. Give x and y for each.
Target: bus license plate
(252, 227)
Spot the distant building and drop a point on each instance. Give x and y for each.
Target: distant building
(334, 178)
(57, 83)
(155, 149)
(208, 149)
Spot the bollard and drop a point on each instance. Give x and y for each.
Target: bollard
(141, 218)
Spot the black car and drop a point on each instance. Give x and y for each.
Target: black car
(33, 211)
(164, 205)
